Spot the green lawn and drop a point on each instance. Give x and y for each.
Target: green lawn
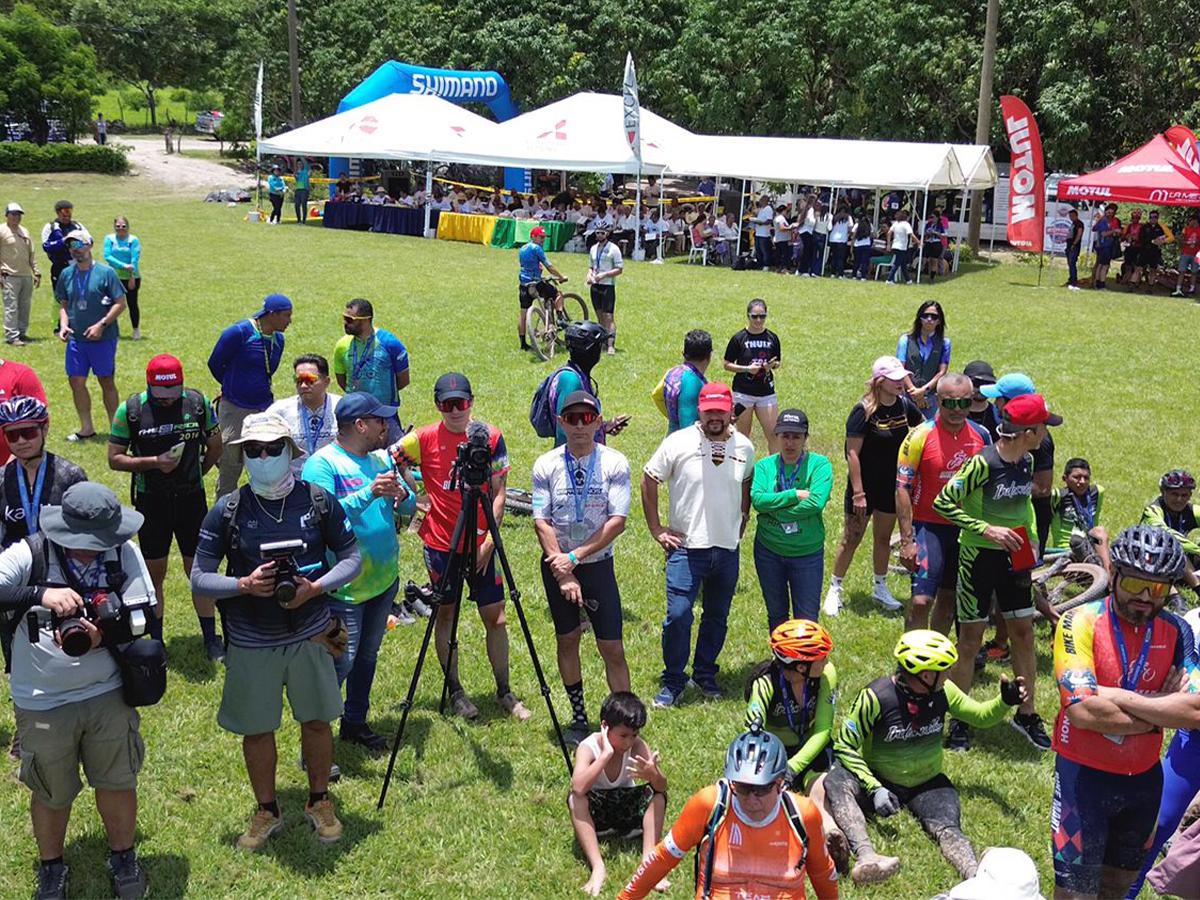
(479, 811)
(110, 103)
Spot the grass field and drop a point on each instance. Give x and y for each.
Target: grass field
(110, 104)
(479, 811)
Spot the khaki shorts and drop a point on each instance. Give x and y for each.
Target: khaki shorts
(255, 679)
(102, 733)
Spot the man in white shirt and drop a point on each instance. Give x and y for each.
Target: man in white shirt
(580, 504)
(899, 239)
(707, 469)
(310, 414)
(762, 232)
(604, 265)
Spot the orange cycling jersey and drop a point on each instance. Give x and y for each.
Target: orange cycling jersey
(1087, 654)
(750, 861)
(929, 457)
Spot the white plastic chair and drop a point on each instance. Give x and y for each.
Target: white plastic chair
(695, 250)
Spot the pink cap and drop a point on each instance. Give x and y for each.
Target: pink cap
(889, 367)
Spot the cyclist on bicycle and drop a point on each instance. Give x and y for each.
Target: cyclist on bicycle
(792, 695)
(889, 753)
(1174, 510)
(532, 259)
(753, 837)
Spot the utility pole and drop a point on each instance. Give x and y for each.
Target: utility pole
(983, 116)
(294, 61)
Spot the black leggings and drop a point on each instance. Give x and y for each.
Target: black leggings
(132, 286)
(276, 207)
(934, 804)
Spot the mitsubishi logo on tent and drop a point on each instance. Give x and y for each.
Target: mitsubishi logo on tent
(559, 131)
(368, 124)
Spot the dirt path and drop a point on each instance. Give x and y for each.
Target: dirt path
(181, 174)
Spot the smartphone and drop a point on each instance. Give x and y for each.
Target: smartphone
(176, 451)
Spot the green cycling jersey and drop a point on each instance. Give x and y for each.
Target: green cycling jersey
(803, 723)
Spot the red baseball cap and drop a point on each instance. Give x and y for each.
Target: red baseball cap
(164, 370)
(537, 231)
(1027, 411)
(715, 395)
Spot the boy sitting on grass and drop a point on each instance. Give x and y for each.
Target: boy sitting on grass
(604, 798)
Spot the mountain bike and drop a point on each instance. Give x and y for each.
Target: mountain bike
(547, 319)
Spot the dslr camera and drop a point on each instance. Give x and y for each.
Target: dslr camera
(117, 621)
(473, 465)
(283, 554)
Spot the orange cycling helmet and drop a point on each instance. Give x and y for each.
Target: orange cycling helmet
(800, 640)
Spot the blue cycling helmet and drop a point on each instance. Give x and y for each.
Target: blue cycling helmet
(756, 757)
(17, 410)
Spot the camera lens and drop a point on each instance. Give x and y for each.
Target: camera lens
(285, 592)
(74, 638)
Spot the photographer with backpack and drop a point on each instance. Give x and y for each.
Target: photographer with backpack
(75, 598)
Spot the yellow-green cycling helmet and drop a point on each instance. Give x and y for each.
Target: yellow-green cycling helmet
(924, 650)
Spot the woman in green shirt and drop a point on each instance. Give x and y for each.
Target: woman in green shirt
(790, 490)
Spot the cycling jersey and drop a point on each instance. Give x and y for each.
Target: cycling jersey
(676, 395)
(750, 859)
(929, 457)
(804, 724)
(1073, 515)
(988, 490)
(1087, 654)
(531, 257)
(1180, 524)
(891, 736)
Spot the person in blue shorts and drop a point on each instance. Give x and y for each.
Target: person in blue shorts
(532, 259)
(90, 298)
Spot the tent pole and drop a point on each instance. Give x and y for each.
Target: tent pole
(637, 213)
(962, 221)
(661, 178)
(428, 192)
(741, 214)
(878, 201)
(921, 245)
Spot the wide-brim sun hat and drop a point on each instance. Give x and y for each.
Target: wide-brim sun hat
(89, 518)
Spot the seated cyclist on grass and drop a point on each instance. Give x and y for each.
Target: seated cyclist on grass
(889, 753)
(753, 837)
(1174, 510)
(792, 696)
(604, 796)
(1075, 519)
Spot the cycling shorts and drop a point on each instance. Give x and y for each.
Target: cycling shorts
(526, 291)
(986, 578)
(937, 558)
(167, 516)
(598, 582)
(484, 587)
(604, 298)
(1100, 819)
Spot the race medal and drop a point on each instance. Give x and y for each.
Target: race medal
(578, 532)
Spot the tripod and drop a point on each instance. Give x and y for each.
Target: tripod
(459, 568)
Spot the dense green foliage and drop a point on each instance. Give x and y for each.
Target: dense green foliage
(25, 156)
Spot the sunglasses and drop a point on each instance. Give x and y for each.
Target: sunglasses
(930, 317)
(758, 315)
(255, 450)
(1134, 585)
(455, 404)
(580, 418)
(307, 378)
(28, 433)
(753, 790)
(956, 402)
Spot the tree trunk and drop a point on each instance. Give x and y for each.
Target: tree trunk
(983, 116)
(294, 61)
(152, 105)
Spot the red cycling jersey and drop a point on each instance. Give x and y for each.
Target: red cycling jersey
(929, 457)
(1086, 655)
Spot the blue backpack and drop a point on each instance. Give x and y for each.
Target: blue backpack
(545, 400)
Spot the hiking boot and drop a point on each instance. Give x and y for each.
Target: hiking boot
(325, 823)
(353, 733)
(881, 595)
(263, 825)
(214, 648)
(1031, 728)
(52, 881)
(128, 877)
(666, 698)
(709, 688)
(576, 733)
(872, 868)
(833, 600)
(958, 737)
(997, 652)
(514, 707)
(839, 849)
(461, 705)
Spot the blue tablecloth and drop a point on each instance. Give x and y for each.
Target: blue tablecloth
(381, 219)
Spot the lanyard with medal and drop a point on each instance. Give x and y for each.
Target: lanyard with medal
(312, 424)
(1130, 677)
(1085, 511)
(579, 485)
(81, 286)
(789, 706)
(31, 507)
(268, 341)
(357, 363)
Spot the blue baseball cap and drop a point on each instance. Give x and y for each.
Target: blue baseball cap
(361, 405)
(1015, 384)
(273, 303)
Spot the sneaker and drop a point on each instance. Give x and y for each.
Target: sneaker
(665, 698)
(1177, 293)
(872, 868)
(418, 607)
(128, 877)
(884, 598)
(709, 689)
(576, 733)
(353, 733)
(997, 652)
(461, 705)
(833, 600)
(958, 737)
(335, 773)
(15, 342)
(263, 825)
(514, 707)
(402, 616)
(137, 334)
(52, 882)
(910, 281)
(214, 648)
(325, 823)
(1031, 727)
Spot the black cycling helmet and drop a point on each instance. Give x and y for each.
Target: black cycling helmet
(1175, 479)
(585, 336)
(756, 757)
(1150, 551)
(23, 409)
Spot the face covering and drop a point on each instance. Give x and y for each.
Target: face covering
(270, 477)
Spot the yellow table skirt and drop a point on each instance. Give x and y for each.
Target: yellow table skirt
(470, 228)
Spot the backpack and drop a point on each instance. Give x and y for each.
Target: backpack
(719, 811)
(545, 399)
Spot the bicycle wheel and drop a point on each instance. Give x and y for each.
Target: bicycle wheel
(541, 330)
(518, 502)
(575, 308)
(1076, 584)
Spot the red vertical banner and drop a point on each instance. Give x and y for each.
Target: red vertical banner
(1027, 177)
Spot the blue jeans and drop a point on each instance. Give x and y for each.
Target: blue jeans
(818, 252)
(762, 251)
(1181, 780)
(1073, 264)
(714, 569)
(862, 262)
(837, 259)
(367, 624)
(791, 585)
(899, 273)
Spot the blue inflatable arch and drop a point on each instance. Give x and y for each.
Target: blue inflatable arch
(458, 87)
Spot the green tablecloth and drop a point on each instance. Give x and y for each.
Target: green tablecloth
(515, 232)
